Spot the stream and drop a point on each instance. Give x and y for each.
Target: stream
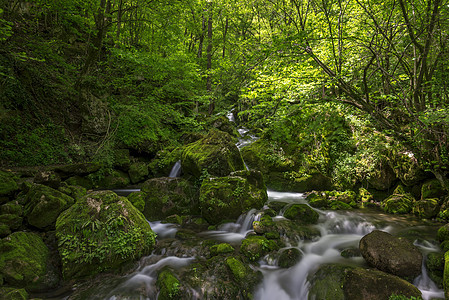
(340, 230)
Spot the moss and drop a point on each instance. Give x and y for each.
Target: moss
(432, 189)
(138, 200)
(10, 293)
(168, 285)
(327, 283)
(13, 208)
(114, 179)
(44, 205)
(5, 230)
(317, 199)
(228, 197)
(237, 268)
(426, 208)
(398, 203)
(76, 192)
(255, 247)
(121, 158)
(24, 260)
(216, 153)
(101, 231)
(443, 233)
(339, 205)
(222, 248)
(302, 213)
(138, 172)
(12, 221)
(7, 184)
(446, 275)
(435, 267)
(85, 182)
(365, 197)
(289, 257)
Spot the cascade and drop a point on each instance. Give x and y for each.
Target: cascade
(176, 170)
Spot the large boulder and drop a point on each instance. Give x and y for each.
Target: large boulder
(255, 247)
(25, 262)
(427, 208)
(397, 256)
(49, 178)
(167, 196)
(335, 281)
(138, 172)
(215, 154)
(7, 184)
(301, 213)
(226, 198)
(77, 169)
(11, 217)
(101, 231)
(114, 179)
(290, 181)
(406, 167)
(383, 179)
(44, 204)
(369, 284)
(432, 189)
(399, 202)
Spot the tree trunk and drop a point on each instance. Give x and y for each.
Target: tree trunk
(209, 62)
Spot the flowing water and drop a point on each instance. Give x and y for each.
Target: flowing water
(176, 170)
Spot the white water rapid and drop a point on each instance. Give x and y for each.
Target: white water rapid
(176, 170)
(339, 231)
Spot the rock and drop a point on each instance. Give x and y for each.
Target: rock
(255, 247)
(238, 269)
(398, 203)
(5, 230)
(339, 205)
(9, 293)
(8, 185)
(301, 213)
(76, 192)
(222, 248)
(77, 169)
(383, 179)
(85, 182)
(365, 197)
(327, 282)
(446, 275)
(397, 256)
(215, 154)
(48, 178)
(406, 167)
(100, 232)
(44, 205)
(138, 172)
(114, 179)
(276, 205)
(167, 196)
(318, 199)
(168, 285)
(262, 156)
(226, 198)
(12, 207)
(11, 220)
(368, 284)
(427, 208)
(222, 123)
(334, 200)
(138, 200)
(435, 267)
(24, 262)
(443, 233)
(432, 189)
(122, 159)
(286, 181)
(289, 257)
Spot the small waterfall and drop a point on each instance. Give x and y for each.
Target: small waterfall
(230, 116)
(176, 170)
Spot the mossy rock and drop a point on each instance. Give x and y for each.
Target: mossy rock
(49, 178)
(327, 282)
(289, 257)
(369, 284)
(435, 267)
(77, 169)
(399, 203)
(168, 284)
(397, 256)
(427, 208)
(114, 179)
(240, 271)
(85, 182)
(383, 178)
(277, 205)
(121, 159)
(100, 232)
(222, 123)
(264, 225)
(5, 230)
(74, 191)
(226, 198)
(167, 196)
(290, 182)
(365, 197)
(8, 185)
(222, 248)
(215, 154)
(446, 275)
(10, 293)
(293, 232)
(138, 172)
(44, 205)
(138, 200)
(317, 199)
(443, 233)
(406, 167)
(348, 197)
(255, 247)
(24, 262)
(339, 205)
(301, 213)
(13, 221)
(432, 189)
(12, 207)
(161, 165)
